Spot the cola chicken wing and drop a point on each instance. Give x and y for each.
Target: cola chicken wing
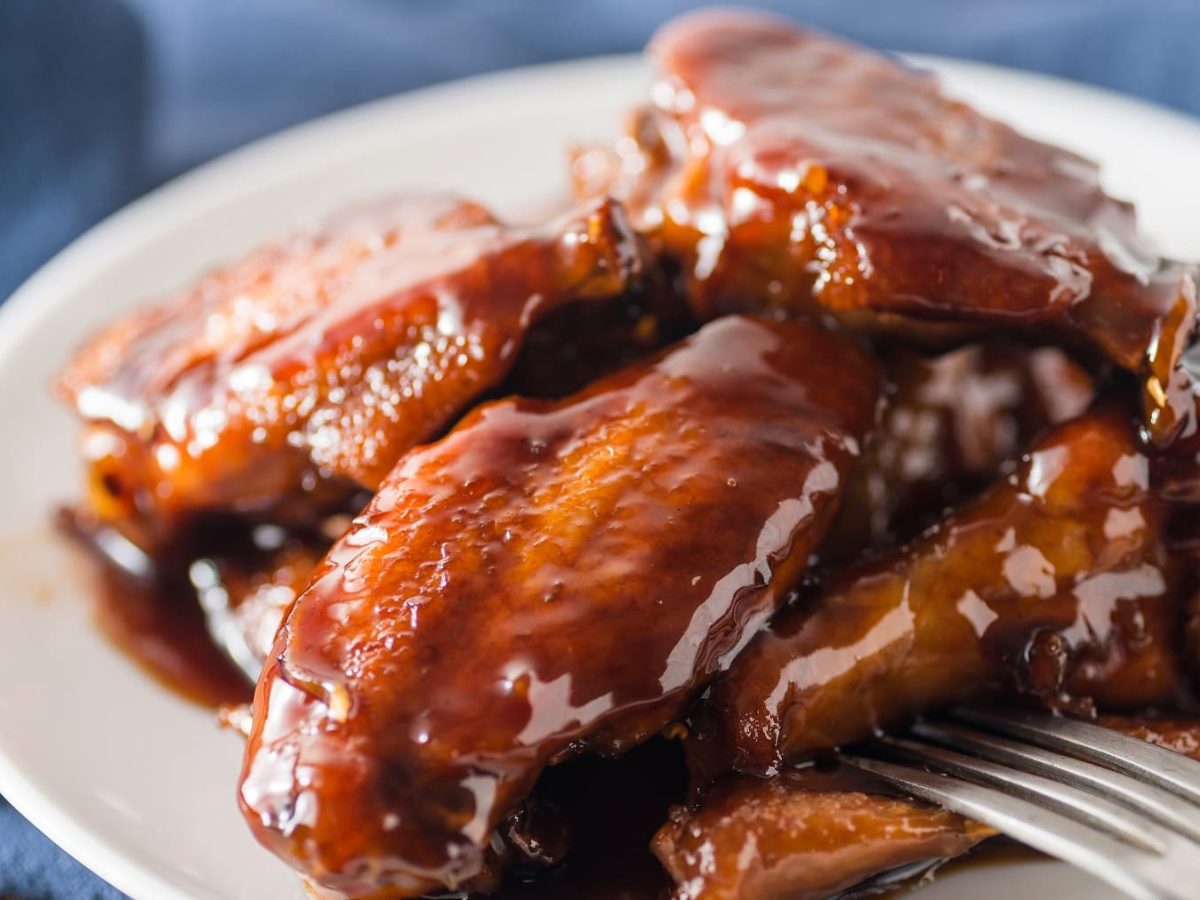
(1054, 583)
(284, 380)
(803, 835)
(784, 170)
(552, 577)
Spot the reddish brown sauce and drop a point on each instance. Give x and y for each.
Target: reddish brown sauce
(529, 588)
(1055, 584)
(319, 359)
(786, 171)
(613, 808)
(952, 424)
(159, 624)
(201, 617)
(805, 834)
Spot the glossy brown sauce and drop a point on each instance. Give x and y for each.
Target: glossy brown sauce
(786, 171)
(324, 356)
(613, 808)
(1054, 584)
(527, 589)
(159, 625)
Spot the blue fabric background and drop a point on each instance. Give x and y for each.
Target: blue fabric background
(100, 100)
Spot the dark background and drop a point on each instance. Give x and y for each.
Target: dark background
(101, 100)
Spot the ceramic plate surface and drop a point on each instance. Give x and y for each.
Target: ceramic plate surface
(139, 785)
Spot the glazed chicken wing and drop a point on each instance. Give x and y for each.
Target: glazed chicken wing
(552, 577)
(246, 585)
(803, 835)
(310, 366)
(1055, 583)
(784, 170)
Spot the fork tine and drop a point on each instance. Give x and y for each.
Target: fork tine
(1103, 746)
(1114, 820)
(1162, 805)
(1121, 865)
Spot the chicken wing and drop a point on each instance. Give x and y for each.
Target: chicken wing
(310, 366)
(1055, 583)
(246, 580)
(784, 170)
(552, 577)
(802, 834)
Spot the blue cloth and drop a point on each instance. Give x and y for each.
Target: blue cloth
(102, 99)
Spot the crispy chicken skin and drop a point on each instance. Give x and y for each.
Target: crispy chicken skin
(802, 835)
(319, 359)
(1054, 583)
(951, 424)
(784, 170)
(549, 578)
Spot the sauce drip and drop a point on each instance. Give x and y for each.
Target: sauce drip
(158, 623)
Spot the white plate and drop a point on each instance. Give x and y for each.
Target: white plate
(139, 785)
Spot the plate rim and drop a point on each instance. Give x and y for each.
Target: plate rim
(187, 195)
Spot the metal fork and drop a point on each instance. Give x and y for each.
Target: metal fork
(1119, 808)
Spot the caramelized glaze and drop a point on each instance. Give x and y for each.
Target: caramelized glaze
(154, 618)
(951, 425)
(323, 356)
(1054, 583)
(783, 170)
(612, 809)
(550, 577)
(803, 835)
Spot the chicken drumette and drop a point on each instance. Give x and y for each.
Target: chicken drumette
(1055, 583)
(784, 171)
(281, 383)
(551, 577)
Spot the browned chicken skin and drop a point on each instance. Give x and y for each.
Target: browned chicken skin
(550, 577)
(316, 361)
(1054, 583)
(810, 833)
(783, 170)
(802, 835)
